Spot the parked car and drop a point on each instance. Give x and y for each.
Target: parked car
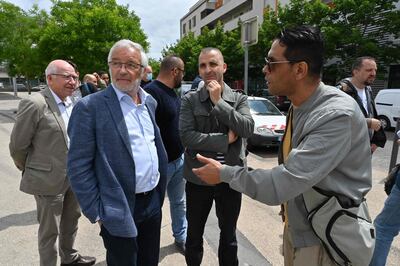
(39, 87)
(21, 87)
(282, 102)
(387, 103)
(185, 87)
(269, 123)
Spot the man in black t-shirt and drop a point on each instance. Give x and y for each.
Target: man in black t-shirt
(172, 70)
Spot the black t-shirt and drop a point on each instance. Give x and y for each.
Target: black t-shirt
(167, 117)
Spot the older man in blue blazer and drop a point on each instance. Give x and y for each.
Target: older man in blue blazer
(117, 162)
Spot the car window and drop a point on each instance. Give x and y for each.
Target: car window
(263, 107)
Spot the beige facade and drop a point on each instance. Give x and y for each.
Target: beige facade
(209, 12)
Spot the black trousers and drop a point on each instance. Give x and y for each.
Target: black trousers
(199, 200)
(144, 249)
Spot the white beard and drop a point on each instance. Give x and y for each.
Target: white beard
(133, 89)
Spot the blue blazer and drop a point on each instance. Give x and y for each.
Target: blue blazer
(100, 165)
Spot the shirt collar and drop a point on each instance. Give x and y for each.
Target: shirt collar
(67, 101)
(120, 94)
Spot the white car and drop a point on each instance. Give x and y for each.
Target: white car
(269, 123)
(388, 107)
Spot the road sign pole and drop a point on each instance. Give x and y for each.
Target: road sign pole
(246, 68)
(249, 37)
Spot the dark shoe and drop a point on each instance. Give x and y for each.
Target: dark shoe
(180, 246)
(82, 261)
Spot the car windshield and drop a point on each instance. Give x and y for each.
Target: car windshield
(263, 107)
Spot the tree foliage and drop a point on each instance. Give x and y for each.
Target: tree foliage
(189, 47)
(19, 33)
(85, 30)
(352, 28)
(80, 30)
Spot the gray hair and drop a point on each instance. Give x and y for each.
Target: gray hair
(51, 69)
(129, 44)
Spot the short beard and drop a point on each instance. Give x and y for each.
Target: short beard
(367, 83)
(134, 88)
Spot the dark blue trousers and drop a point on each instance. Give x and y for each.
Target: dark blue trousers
(199, 200)
(144, 249)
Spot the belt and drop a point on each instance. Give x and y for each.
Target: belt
(143, 194)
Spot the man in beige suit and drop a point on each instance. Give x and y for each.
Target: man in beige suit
(39, 146)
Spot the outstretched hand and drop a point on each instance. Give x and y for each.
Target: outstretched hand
(210, 172)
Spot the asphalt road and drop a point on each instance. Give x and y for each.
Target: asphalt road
(259, 226)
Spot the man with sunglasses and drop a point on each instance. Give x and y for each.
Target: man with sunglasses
(117, 162)
(39, 146)
(325, 145)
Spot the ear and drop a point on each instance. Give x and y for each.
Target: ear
(301, 70)
(225, 67)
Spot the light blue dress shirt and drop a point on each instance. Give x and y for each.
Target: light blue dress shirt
(142, 140)
(65, 108)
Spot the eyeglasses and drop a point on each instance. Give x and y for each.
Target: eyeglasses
(183, 71)
(131, 66)
(269, 64)
(67, 77)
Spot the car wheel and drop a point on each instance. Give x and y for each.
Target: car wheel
(385, 123)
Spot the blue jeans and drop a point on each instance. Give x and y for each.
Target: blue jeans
(387, 225)
(177, 199)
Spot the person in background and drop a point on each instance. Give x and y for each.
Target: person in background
(359, 87)
(90, 78)
(104, 76)
(172, 70)
(117, 163)
(39, 145)
(101, 84)
(147, 76)
(387, 223)
(89, 85)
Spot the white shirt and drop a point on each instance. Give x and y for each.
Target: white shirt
(363, 97)
(142, 140)
(65, 108)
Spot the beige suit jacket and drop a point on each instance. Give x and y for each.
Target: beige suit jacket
(38, 145)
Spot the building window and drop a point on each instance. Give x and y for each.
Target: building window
(194, 21)
(190, 24)
(184, 28)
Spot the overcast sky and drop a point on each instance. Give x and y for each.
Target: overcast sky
(159, 18)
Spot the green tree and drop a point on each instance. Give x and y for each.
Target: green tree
(189, 47)
(352, 28)
(19, 35)
(85, 30)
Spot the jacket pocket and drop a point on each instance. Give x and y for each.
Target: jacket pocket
(114, 204)
(203, 122)
(39, 166)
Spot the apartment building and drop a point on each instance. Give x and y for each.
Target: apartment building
(209, 12)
